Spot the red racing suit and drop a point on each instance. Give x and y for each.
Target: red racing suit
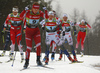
(82, 34)
(15, 30)
(32, 30)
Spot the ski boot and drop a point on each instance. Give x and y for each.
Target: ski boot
(75, 58)
(60, 57)
(72, 60)
(26, 63)
(46, 61)
(38, 61)
(3, 53)
(82, 53)
(52, 56)
(9, 53)
(12, 56)
(22, 57)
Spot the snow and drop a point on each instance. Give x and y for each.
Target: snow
(55, 66)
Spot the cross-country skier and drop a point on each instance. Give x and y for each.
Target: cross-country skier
(53, 44)
(50, 25)
(7, 39)
(15, 30)
(67, 24)
(32, 30)
(82, 34)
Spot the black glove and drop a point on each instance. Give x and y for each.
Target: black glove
(63, 33)
(43, 28)
(86, 23)
(2, 33)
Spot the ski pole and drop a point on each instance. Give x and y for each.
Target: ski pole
(3, 38)
(64, 57)
(14, 59)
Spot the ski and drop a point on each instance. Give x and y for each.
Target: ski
(44, 66)
(58, 60)
(76, 62)
(9, 61)
(24, 69)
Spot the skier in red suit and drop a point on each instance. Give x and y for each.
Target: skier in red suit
(32, 30)
(82, 34)
(15, 30)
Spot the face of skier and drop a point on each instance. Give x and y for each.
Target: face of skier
(65, 18)
(51, 17)
(15, 13)
(35, 10)
(82, 23)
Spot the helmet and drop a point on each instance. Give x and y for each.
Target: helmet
(51, 13)
(15, 9)
(65, 15)
(82, 20)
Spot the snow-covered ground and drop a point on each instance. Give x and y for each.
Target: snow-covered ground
(55, 66)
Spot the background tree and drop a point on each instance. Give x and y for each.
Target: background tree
(75, 15)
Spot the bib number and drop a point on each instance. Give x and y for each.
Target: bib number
(51, 28)
(34, 21)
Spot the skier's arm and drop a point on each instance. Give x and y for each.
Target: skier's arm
(7, 20)
(73, 25)
(42, 23)
(88, 25)
(74, 28)
(23, 17)
(44, 15)
(23, 13)
(63, 29)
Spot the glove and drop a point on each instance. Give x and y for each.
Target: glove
(43, 28)
(86, 23)
(2, 33)
(26, 8)
(63, 33)
(44, 8)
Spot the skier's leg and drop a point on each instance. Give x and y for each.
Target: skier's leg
(48, 41)
(70, 41)
(13, 37)
(60, 57)
(19, 36)
(54, 46)
(82, 43)
(6, 43)
(28, 38)
(37, 40)
(78, 39)
(47, 54)
(66, 53)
